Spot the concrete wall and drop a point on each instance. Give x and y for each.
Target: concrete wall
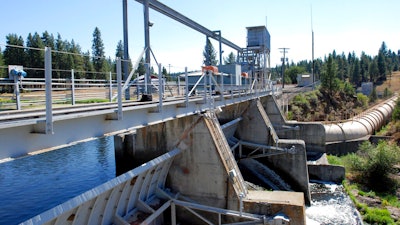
(313, 134)
(327, 173)
(271, 203)
(200, 173)
(256, 127)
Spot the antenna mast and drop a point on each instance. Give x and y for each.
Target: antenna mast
(312, 47)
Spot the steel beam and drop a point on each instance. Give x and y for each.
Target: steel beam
(165, 10)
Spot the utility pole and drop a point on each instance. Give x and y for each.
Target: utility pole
(126, 52)
(284, 51)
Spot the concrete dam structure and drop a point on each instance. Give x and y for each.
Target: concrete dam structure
(186, 170)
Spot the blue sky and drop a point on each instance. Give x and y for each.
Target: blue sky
(342, 25)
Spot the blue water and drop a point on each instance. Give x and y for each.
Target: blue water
(32, 185)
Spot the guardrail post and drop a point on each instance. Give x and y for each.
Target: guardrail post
(160, 88)
(211, 105)
(179, 85)
(119, 81)
(231, 88)
(110, 95)
(72, 87)
(17, 93)
(186, 87)
(48, 76)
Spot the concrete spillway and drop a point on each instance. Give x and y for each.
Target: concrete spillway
(362, 125)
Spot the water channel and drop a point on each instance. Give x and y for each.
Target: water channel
(32, 185)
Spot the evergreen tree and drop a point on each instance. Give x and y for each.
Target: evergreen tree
(69, 63)
(88, 66)
(98, 51)
(141, 69)
(119, 52)
(329, 80)
(346, 69)
(14, 55)
(381, 66)
(364, 66)
(3, 68)
(373, 71)
(355, 73)
(48, 40)
(35, 56)
(292, 72)
(61, 59)
(164, 72)
(231, 59)
(395, 61)
(78, 60)
(318, 64)
(210, 55)
(382, 62)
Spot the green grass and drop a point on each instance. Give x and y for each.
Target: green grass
(370, 215)
(93, 100)
(335, 160)
(6, 100)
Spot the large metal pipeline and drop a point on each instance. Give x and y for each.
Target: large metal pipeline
(362, 125)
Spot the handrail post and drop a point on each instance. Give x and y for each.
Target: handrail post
(17, 92)
(187, 88)
(205, 88)
(48, 76)
(119, 81)
(179, 85)
(160, 88)
(72, 87)
(110, 94)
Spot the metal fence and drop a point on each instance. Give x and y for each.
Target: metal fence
(18, 92)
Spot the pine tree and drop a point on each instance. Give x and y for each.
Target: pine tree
(119, 52)
(373, 71)
(48, 40)
(88, 66)
(329, 80)
(35, 56)
(141, 69)
(78, 60)
(14, 55)
(231, 59)
(382, 64)
(98, 51)
(355, 73)
(364, 66)
(3, 72)
(209, 54)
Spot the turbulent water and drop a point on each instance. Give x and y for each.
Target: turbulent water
(331, 205)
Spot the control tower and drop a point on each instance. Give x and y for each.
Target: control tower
(255, 59)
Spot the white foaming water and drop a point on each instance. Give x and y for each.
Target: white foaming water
(331, 205)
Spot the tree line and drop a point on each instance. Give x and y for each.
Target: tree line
(349, 68)
(66, 55)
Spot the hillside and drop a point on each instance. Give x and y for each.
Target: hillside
(320, 105)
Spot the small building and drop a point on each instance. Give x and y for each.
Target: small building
(304, 80)
(366, 88)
